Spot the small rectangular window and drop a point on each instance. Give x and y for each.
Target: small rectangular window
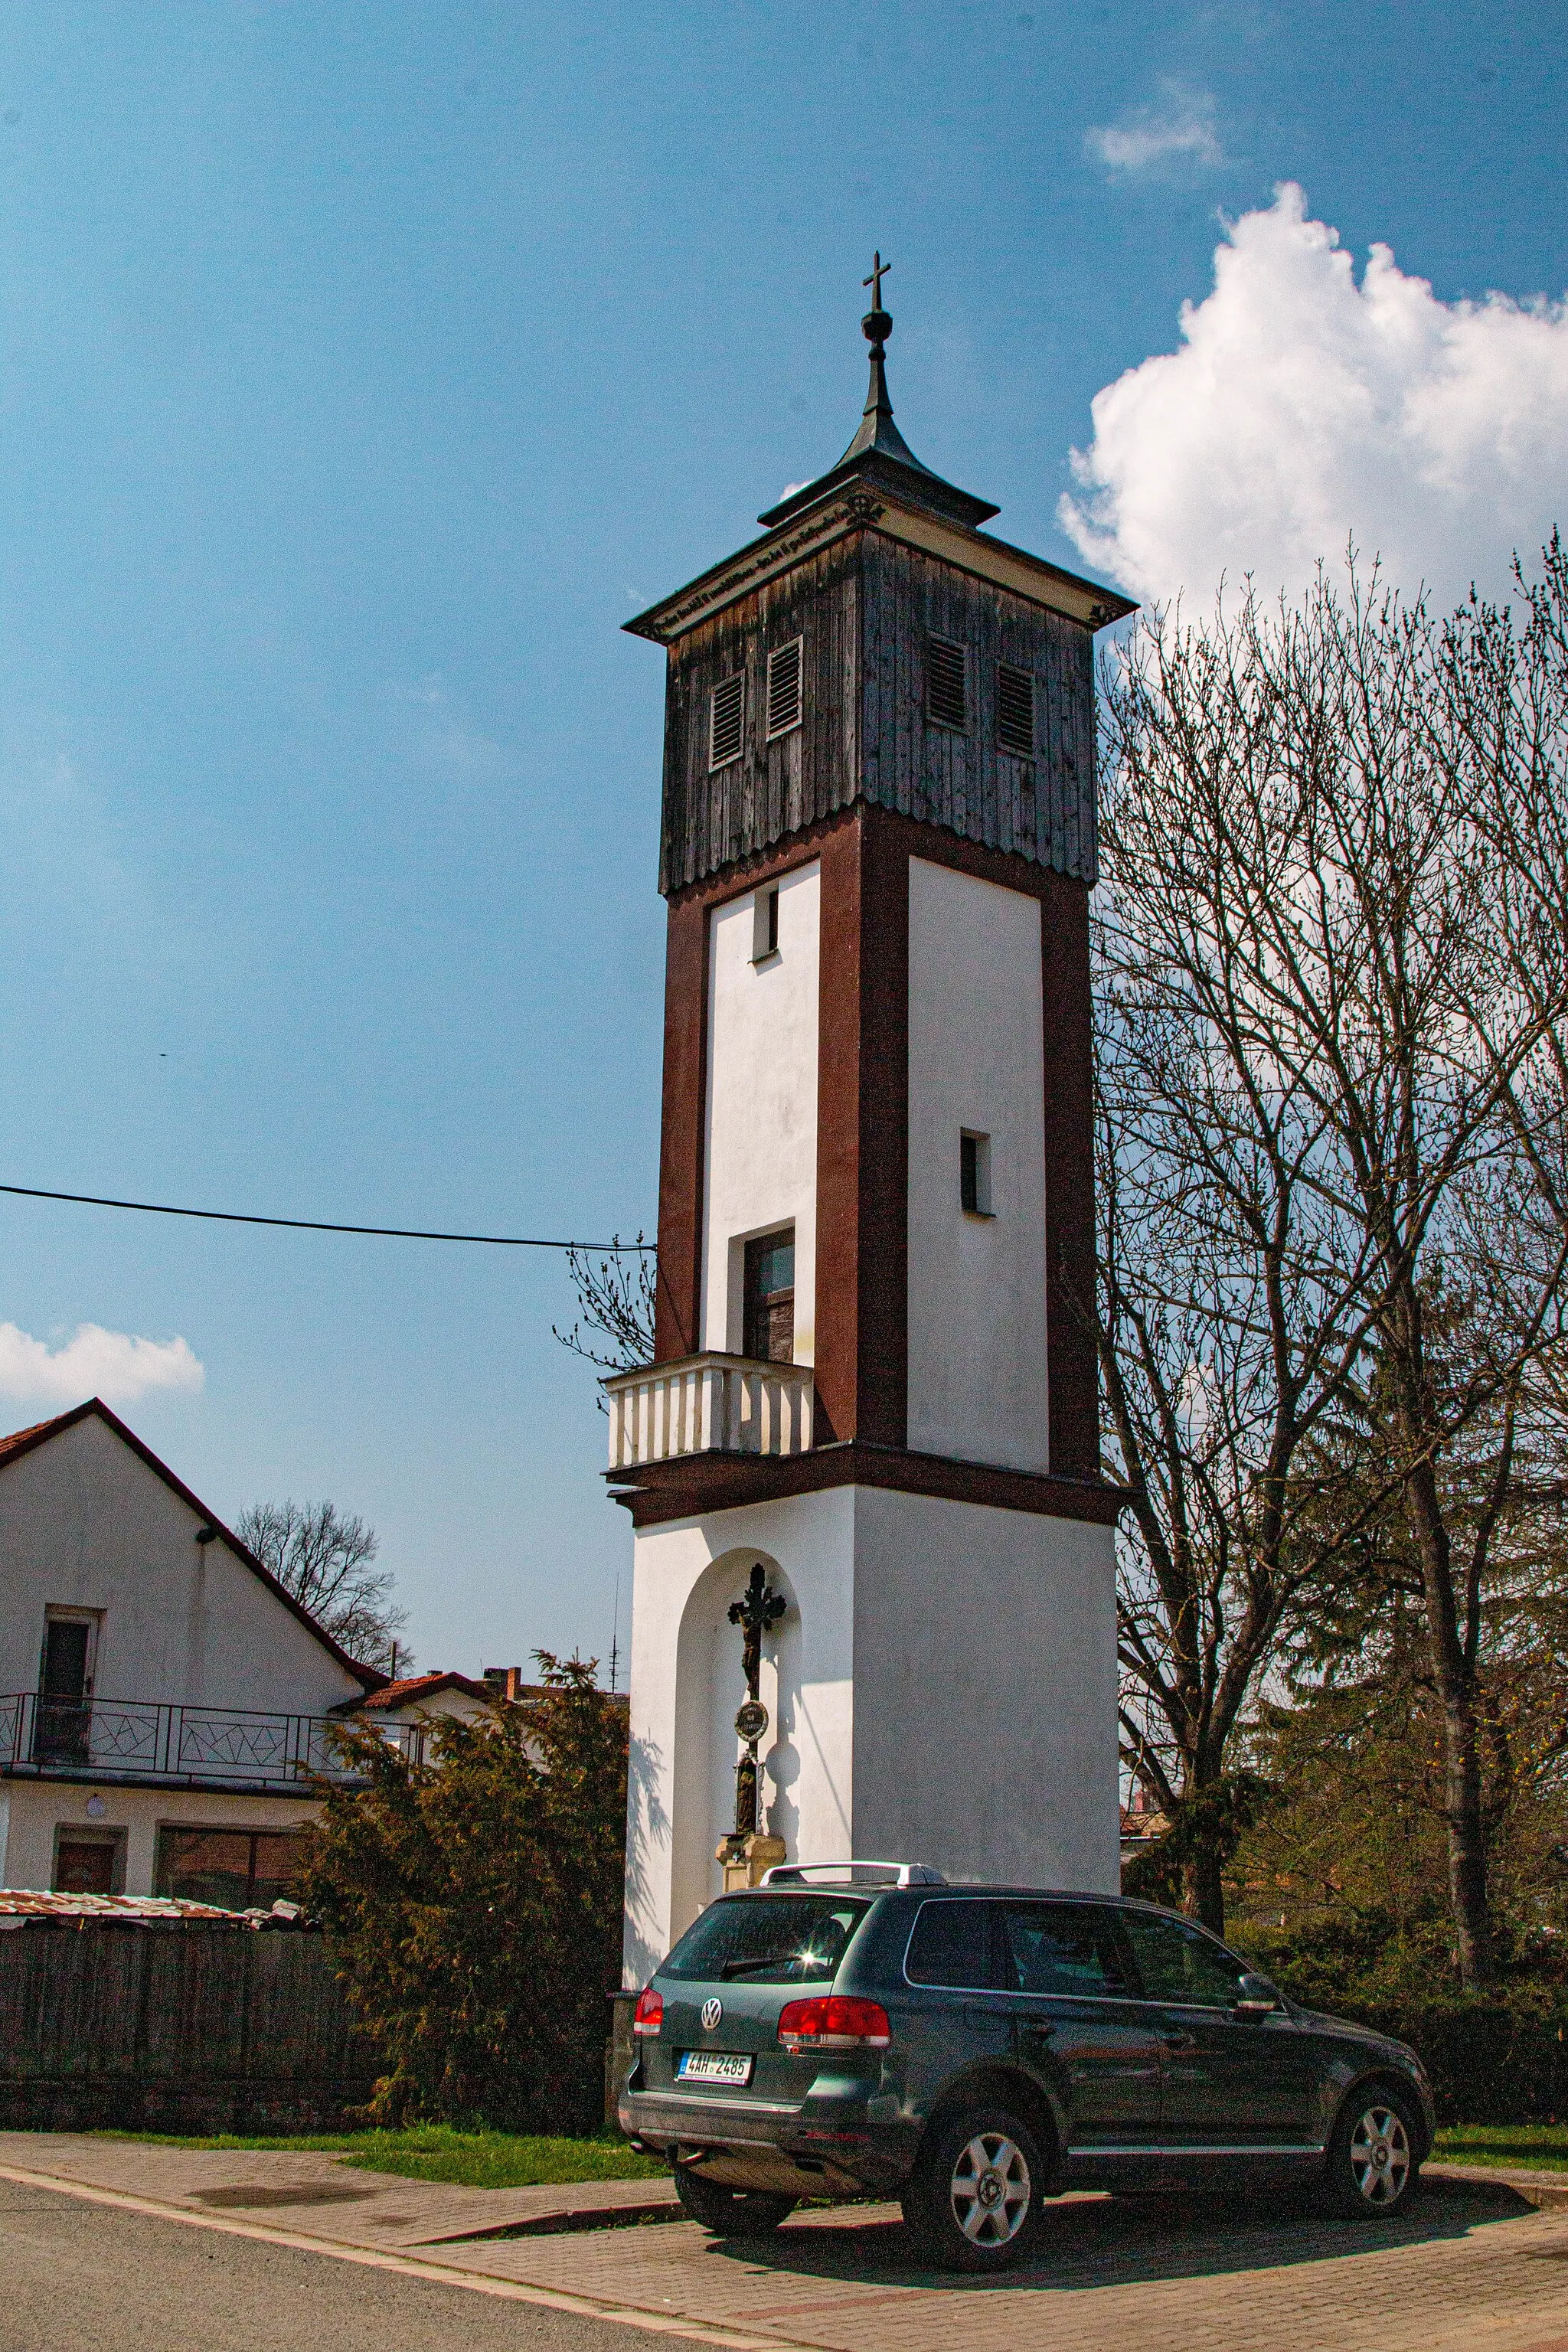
(769, 1301)
(1016, 710)
(766, 924)
(946, 701)
(975, 1174)
(727, 721)
(784, 689)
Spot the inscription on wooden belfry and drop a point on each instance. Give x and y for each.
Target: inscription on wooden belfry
(868, 1438)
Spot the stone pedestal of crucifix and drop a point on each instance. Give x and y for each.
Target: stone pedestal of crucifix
(748, 1850)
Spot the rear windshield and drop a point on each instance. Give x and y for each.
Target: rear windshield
(767, 1940)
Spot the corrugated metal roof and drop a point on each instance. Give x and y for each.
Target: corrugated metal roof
(19, 1904)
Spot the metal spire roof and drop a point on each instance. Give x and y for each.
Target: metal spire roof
(879, 453)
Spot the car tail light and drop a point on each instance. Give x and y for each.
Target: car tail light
(835, 2021)
(649, 2014)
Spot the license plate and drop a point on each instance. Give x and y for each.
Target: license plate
(713, 2066)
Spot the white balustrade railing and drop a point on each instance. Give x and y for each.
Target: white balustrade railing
(707, 1405)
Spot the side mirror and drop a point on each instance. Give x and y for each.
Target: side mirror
(1255, 1997)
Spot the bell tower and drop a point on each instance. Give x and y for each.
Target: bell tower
(874, 1370)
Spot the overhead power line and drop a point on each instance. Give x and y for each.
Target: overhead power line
(318, 1225)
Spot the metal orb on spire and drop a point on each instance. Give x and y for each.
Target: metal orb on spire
(877, 325)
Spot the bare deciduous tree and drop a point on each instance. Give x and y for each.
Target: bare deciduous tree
(325, 1558)
(615, 1306)
(1325, 1094)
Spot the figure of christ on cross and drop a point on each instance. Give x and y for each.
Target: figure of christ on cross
(758, 1610)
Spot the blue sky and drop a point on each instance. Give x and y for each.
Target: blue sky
(363, 369)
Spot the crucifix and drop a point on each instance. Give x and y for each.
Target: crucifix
(879, 270)
(758, 1610)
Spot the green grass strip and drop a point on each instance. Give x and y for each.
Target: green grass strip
(1538, 2147)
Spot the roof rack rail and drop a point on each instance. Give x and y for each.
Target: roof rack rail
(852, 1873)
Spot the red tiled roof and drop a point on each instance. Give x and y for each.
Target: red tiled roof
(23, 1440)
(415, 1687)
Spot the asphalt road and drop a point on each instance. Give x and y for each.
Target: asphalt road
(76, 2277)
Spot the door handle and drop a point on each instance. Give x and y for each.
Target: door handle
(1179, 2041)
(1039, 2032)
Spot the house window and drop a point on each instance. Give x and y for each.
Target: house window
(975, 1174)
(946, 701)
(233, 1869)
(766, 924)
(769, 1298)
(727, 721)
(88, 1862)
(784, 689)
(1016, 710)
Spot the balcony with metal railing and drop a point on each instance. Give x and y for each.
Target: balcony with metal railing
(166, 1745)
(711, 1404)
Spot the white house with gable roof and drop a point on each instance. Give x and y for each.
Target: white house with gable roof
(163, 1701)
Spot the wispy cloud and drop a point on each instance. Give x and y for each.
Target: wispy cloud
(1304, 408)
(1178, 128)
(93, 1362)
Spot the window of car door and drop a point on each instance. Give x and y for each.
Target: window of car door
(1179, 1963)
(1077, 2011)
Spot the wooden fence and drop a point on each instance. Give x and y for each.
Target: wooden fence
(196, 2028)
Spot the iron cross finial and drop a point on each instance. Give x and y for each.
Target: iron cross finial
(879, 270)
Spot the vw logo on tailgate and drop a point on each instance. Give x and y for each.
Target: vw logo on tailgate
(712, 2014)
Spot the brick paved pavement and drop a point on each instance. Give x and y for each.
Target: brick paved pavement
(1113, 2277)
(1469, 2270)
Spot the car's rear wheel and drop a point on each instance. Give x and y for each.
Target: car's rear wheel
(1372, 2165)
(974, 2199)
(731, 2212)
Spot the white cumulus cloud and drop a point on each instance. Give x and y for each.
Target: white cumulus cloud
(1305, 408)
(93, 1362)
(1180, 129)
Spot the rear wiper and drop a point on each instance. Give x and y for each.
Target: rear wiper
(771, 1960)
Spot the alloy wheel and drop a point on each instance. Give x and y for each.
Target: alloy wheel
(1380, 2156)
(990, 2189)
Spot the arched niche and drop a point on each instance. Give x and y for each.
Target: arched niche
(709, 1687)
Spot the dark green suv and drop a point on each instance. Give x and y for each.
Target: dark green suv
(971, 2051)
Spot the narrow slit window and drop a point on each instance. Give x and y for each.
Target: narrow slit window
(768, 1284)
(947, 700)
(1016, 710)
(784, 689)
(766, 924)
(975, 1174)
(727, 721)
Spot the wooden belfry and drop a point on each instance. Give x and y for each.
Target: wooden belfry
(874, 1369)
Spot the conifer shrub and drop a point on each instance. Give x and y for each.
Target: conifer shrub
(472, 1901)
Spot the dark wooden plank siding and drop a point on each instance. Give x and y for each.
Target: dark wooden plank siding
(865, 610)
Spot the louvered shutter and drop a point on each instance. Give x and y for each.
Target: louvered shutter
(1016, 710)
(946, 701)
(784, 689)
(727, 721)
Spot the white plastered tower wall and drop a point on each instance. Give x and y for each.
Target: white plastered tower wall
(942, 1689)
(761, 1143)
